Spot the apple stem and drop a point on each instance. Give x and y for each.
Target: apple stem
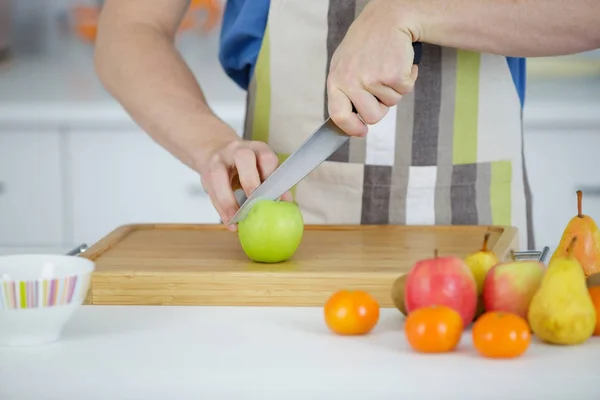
(486, 238)
(512, 255)
(571, 246)
(579, 204)
(435, 253)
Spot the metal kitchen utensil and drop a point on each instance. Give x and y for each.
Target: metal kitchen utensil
(532, 255)
(77, 250)
(316, 149)
(323, 143)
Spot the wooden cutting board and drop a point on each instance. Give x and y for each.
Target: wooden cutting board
(165, 264)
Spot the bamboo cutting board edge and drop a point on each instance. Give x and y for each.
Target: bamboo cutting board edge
(507, 241)
(274, 289)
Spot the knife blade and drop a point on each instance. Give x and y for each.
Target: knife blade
(316, 149)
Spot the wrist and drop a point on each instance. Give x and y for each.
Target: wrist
(215, 135)
(408, 16)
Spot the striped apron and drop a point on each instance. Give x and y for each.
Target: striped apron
(450, 153)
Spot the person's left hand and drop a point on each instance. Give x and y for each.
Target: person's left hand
(372, 68)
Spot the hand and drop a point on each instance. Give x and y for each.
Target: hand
(371, 68)
(238, 164)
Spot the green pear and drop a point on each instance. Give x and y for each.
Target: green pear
(561, 311)
(397, 293)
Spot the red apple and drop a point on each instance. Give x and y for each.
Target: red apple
(442, 281)
(510, 286)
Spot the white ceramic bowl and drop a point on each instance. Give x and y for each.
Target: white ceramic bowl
(38, 295)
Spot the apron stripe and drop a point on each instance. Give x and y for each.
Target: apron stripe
(262, 103)
(405, 115)
(428, 91)
(297, 83)
(466, 107)
(360, 5)
(443, 205)
(358, 146)
(380, 141)
(420, 198)
(462, 195)
(339, 18)
(482, 190)
(250, 108)
(398, 191)
(282, 157)
(376, 194)
(448, 98)
(402, 159)
(500, 192)
(443, 195)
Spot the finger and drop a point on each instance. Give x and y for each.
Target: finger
(386, 95)
(340, 111)
(267, 160)
(223, 193)
(369, 108)
(402, 81)
(287, 196)
(245, 164)
(211, 194)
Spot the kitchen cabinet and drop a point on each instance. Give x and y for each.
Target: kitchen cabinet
(560, 162)
(31, 188)
(123, 176)
(119, 175)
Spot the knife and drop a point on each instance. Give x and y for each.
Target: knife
(316, 149)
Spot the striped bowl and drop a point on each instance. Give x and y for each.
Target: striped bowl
(38, 295)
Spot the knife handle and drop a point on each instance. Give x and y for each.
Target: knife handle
(418, 49)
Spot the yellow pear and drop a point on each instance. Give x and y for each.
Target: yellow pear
(481, 262)
(587, 249)
(561, 311)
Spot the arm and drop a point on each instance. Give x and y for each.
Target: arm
(372, 67)
(519, 28)
(138, 63)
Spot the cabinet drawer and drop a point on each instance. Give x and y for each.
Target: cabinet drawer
(559, 163)
(31, 203)
(121, 177)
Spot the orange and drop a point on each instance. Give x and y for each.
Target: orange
(501, 335)
(595, 293)
(351, 312)
(433, 329)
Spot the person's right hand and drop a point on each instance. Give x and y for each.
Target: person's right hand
(239, 164)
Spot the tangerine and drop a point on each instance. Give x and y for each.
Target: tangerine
(350, 312)
(595, 294)
(499, 334)
(433, 329)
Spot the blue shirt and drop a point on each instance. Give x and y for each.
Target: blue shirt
(243, 27)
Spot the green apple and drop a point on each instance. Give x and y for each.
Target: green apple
(272, 231)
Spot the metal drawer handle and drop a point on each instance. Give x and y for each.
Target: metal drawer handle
(196, 190)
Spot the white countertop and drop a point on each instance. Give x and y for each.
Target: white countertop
(112, 352)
